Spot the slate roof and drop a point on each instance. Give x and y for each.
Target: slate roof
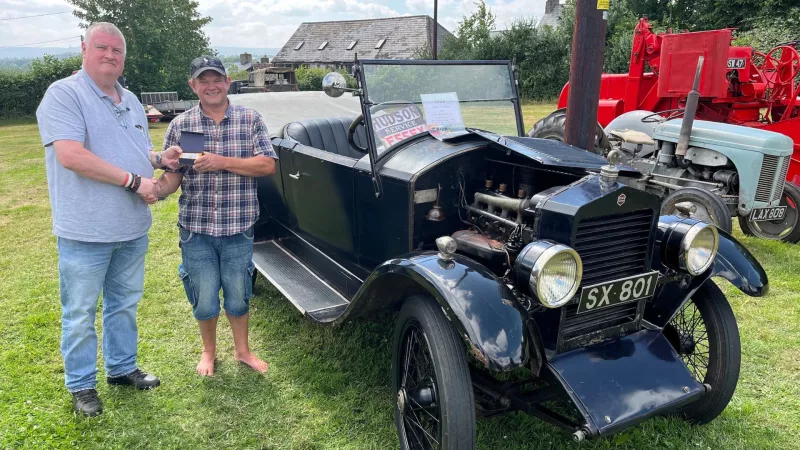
(552, 12)
(404, 35)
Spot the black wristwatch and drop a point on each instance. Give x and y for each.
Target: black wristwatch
(158, 159)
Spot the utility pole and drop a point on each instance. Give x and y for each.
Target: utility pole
(435, 48)
(586, 69)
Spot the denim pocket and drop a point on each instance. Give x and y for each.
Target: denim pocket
(184, 235)
(248, 289)
(188, 286)
(249, 233)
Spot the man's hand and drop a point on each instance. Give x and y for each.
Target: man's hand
(209, 162)
(170, 157)
(148, 190)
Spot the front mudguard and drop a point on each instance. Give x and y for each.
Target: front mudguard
(733, 263)
(480, 306)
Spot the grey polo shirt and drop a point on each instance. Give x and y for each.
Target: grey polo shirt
(86, 210)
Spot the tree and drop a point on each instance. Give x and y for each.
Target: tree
(162, 36)
(473, 32)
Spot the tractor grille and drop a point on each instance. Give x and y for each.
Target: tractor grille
(611, 247)
(781, 180)
(769, 167)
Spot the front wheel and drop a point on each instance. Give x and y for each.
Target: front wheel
(434, 402)
(705, 335)
(786, 229)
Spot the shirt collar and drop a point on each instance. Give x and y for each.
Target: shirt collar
(82, 73)
(227, 111)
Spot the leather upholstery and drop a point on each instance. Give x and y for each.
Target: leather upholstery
(328, 134)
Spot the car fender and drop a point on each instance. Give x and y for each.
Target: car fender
(733, 262)
(737, 265)
(482, 309)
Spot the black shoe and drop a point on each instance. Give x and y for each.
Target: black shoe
(136, 378)
(87, 403)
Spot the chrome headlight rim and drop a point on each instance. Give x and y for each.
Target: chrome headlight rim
(686, 245)
(541, 263)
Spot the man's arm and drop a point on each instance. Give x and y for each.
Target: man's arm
(257, 166)
(73, 156)
(168, 183)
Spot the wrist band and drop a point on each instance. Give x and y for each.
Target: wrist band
(158, 159)
(134, 185)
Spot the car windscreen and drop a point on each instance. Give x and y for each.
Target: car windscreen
(409, 99)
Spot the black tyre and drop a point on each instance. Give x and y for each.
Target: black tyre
(786, 229)
(708, 207)
(554, 127)
(434, 402)
(705, 335)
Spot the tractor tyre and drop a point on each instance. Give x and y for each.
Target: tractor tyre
(554, 127)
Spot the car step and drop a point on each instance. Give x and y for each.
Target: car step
(311, 295)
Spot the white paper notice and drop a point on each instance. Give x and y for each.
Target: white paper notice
(443, 114)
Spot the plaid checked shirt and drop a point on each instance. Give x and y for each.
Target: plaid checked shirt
(220, 203)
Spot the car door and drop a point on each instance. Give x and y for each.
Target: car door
(319, 190)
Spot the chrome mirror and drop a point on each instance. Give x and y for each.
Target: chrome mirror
(334, 84)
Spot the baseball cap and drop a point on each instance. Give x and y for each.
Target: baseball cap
(206, 62)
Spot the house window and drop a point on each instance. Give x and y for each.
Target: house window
(322, 45)
(352, 44)
(298, 46)
(380, 43)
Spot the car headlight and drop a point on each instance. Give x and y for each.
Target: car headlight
(698, 248)
(551, 271)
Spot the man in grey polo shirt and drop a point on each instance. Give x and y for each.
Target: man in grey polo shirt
(99, 174)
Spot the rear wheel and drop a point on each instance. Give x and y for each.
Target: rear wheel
(786, 229)
(705, 335)
(554, 127)
(706, 207)
(434, 403)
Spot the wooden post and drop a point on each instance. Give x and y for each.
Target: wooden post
(586, 68)
(435, 48)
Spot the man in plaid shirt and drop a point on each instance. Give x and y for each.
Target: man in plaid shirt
(218, 207)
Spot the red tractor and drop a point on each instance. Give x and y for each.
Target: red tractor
(738, 86)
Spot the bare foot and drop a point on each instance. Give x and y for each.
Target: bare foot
(205, 368)
(252, 360)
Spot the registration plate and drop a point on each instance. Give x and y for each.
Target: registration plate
(619, 291)
(762, 214)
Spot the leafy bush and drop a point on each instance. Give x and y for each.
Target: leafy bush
(21, 92)
(310, 78)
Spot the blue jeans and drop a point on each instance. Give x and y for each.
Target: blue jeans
(213, 263)
(85, 269)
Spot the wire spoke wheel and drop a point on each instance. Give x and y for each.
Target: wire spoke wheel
(434, 401)
(704, 334)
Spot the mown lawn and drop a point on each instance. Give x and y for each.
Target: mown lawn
(326, 389)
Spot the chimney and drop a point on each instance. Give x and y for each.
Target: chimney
(245, 58)
(265, 59)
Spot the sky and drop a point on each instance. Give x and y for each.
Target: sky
(255, 23)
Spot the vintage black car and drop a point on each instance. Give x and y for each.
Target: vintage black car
(525, 277)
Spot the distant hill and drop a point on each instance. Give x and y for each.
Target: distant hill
(37, 52)
(255, 51)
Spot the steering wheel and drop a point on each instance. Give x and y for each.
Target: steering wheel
(351, 132)
(780, 72)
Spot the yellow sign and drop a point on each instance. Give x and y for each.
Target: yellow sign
(603, 5)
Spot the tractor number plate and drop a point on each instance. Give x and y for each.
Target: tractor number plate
(619, 291)
(736, 63)
(763, 214)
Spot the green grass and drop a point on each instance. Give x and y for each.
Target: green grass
(327, 388)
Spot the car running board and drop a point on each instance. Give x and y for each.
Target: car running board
(310, 294)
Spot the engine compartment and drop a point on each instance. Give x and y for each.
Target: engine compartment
(486, 202)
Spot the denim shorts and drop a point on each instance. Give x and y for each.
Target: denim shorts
(213, 263)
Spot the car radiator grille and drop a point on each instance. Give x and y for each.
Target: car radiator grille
(611, 247)
(770, 167)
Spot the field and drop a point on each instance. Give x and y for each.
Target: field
(327, 388)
